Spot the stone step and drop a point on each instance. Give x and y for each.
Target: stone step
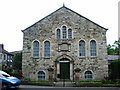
(64, 84)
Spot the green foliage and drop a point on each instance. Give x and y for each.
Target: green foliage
(8, 70)
(113, 49)
(114, 71)
(28, 79)
(17, 62)
(90, 80)
(116, 61)
(107, 82)
(39, 80)
(110, 50)
(115, 81)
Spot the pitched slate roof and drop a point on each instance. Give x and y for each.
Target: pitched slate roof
(113, 57)
(69, 10)
(2, 50)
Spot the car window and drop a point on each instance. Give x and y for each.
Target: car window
(6, 75)
(1, 75)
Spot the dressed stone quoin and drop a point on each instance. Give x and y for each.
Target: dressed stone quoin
(64, 45)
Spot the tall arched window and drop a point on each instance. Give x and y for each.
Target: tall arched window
(88, 75)
(35, 49)
(69, 33)
(41, 75)
(64, 32)
(58, 34)
(82, 48)
(93, 48)
(47, 49)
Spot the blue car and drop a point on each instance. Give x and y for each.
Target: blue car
(8, 81)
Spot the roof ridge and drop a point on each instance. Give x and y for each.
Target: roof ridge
(68, 9)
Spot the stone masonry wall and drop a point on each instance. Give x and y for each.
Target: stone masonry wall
(83, 29)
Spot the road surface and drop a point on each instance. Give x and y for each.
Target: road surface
(31, 87)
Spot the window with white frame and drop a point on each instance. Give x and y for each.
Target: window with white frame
(1, 56)
(64, 32)
(35, 49)
(69, 33)
(82, 48)
(93, 48)
(88, 75)
(46, 49)
(41, 75)
(58, 34)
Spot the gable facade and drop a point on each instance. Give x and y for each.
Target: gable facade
(65, 45)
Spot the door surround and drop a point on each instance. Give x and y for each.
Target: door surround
(64, 59)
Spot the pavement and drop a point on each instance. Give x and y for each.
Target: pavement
(31, 87)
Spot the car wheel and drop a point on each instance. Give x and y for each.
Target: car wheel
(5, 86)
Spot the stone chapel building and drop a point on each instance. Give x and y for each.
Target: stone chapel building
(65, 45)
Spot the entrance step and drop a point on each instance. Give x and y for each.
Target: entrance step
(64, 84)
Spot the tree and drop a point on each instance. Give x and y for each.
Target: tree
(17, 62)
(114, 49)
(117, 47)
(110, 50)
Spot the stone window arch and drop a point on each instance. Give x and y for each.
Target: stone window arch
(46, 49)
(88, 75)
(35, 49)
(93, 48)
(41, 75)
(58, 34)
(64, 32)
(69, 33)
(82, 48)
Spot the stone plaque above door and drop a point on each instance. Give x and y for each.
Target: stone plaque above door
(64, 47)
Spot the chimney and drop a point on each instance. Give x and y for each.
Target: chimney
(2, 46)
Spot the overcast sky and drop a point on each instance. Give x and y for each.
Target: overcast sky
(16, 15)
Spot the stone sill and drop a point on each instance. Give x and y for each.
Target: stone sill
(46, 57)
(36, 57)
(82, 57)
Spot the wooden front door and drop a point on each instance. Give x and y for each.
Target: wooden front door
(64, 70)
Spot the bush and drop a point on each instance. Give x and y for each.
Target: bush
(39, 80)
(114, 72)
(107, 82)
(117, 81)
(8, 70)
(90, 80)
(26, 79)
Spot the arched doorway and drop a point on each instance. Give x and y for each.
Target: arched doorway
(64, 68)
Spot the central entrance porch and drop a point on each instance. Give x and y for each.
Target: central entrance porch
(64, 69)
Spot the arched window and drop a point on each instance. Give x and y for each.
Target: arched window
(93, 48)
(41, 75)
(64, 32)
(47, 49)
(69, 33)
(88, 75)
(58, 34)
(82, 48)
(35, 49)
